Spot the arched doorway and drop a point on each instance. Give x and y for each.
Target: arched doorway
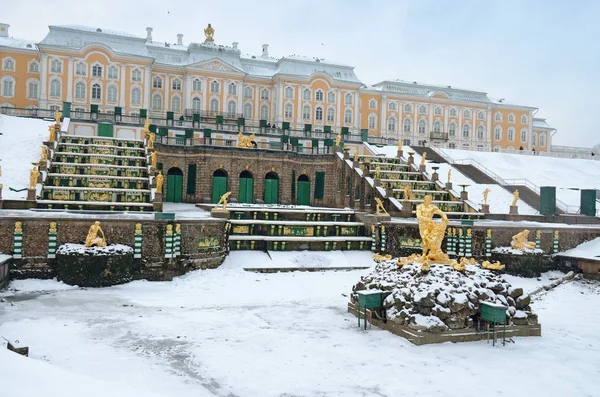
(174, 185)
(271, 195)
(303, 190)
(219, 185)
(246, 187)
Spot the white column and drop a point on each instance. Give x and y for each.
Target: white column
(224, 93)
(122, 87)
(339, 115)
(240, 100)
(187, 92)
(206, 96)
(166, 101)
(382, 121)
(43, 80)
(279, 104)
(70, 80)
(300, 106)
(356, 112)
(488, 137)
(257, 103)
(147, 87)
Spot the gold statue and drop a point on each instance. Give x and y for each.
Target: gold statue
(153, 159)
(223, 200)
(209, 33)
(407, 192)
(449, 174)
(423, 157)
(379, 209)
(178, 229)
(458, 266)
(95, 236)
(246, 143)
(485, 195)
(515, 198)
(356, 155)
(151, 140)
(18, 227)
(160, 179)
(338, 140)
(489, 233)
(34, 174)
(52, 227)
(57, 116)
(556, 234)
(169, 229)
(492, 266)
(399, 144)
(147, 125)
(377, 172)
(432, 233)
(44, 156)
(381, 258)
(519, 241)
(52, 131)
(138, 228)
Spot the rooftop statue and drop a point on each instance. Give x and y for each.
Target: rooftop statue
(519, 241)
(95, 236)
(209, 33)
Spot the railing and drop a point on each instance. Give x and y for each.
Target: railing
(38, 113)
(439, 135)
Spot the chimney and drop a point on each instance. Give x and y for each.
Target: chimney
(148, 34)
(235, 45)
(4, 29)
(179, 39)
(265, 50)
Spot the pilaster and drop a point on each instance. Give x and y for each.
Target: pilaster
(123, 77)
(70, 80)
(43, 80)
(147, 86)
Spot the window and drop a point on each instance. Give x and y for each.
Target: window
(523, 119)
(306, 112)
(408, 108)
(466, 130)
(232, 108)
(264, 112)
(248, 110)
(248, 92)
(34, 67)
(452, 146)
(8, 64)
(534, 139)
(97, 71)
(372, 104)
(288, 110)
(232, 89)
(289, 92)
(481, 115)
(392, 124)
(156, 102)
(80, 69)
(214, 87)
(437, 111)
(32, 89)
(319, 113)
(156, 82)
(452, 129)
(176, 85)
(480, 132)
(524, 135)
(97, 92)
(511, 134)
(407, 125)
(264, 95)
(136, 96)
(113, 72)
(197, 85)
(453, 112)
(330, 115)
(331, 97)
(111, 93)
(421, 126)
(437, 127)
(176, 104)
(498, 133)
(214, 104)
(498, 117)
(56, 66)
(542, 139)
(55, 88)
(423, 109)
(196, 104)
(511, 118)
(306, 95)
(349, 99)
(136, 75)
(372, 121)
(467, 115)
(393, 106)
(319, 95)
(8, 86)
(348, 116)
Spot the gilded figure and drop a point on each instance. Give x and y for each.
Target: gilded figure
(44, 155)
(18, 227)
(519, 241)
(377, 172)
(432, 232)
(423, 158)
(151, 139)
(52, 227)
(209, 32)
(178, 228)
(138, 228)
(380, 209)
(34, 174)
(153, 159)
(515, 198)
(356, 155)
(95, 236)
(223, 200)
(52, 131)
(169, 229)
(485, 195)
(57, 116)
(338, 140)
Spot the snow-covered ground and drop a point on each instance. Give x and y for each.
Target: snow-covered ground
(299, 259)
(227, 332)
(589, 250)
(20, 146)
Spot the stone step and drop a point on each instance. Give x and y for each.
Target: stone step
(97, 165)
(77, 176)
(142, 157)
(242, 237)
(93, 203)
(111, 189)
(293, 222)
(142, 149)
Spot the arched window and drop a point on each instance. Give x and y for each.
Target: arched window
(453, 112)
(393, 106)
(32, 89)
(480, 132)
(392, 124)
(56, 66)
(80, 90)
(523, 119)
(136, 96)
(214, 105)
(372, 104)
(97, 92)
(288, 111)
(248, 92)
(466, 130)
(55, 88)
(467, 114)
(136, 75)
(196, 104)
(524, 135)
(97, 70)
(498, 133)
(542, 139)
(452, 129)
(534, 139)
(407, 125)
(348, 116)
(306, 94)
(156, 102)
(231, 108)
(8, 64)
(8, 86)
(176, 85)
(248, 110)
(264, 112)
(349, 100)
(330, 115)
(372, 121)
(511, 134)
(511, 118)
(156, 82)
(437, 127)
(481, 115)
(437, 111)
(319, 113)
(232, 89)
(264, 95)
(111, 93)
(331, 97)
(423, 109)
(289, 92)
(176, 104)
(80, 69)
(113, 72)
(197, 85)
(407, 108)
(34, 67)
(306, 112)
(319, 95)
(498, 116)
(422, 126)
(214, 87)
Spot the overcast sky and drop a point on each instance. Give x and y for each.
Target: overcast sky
(541, 53)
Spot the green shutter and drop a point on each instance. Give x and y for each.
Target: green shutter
(118, 110)
(294, 140)
(169, 115)
(196, 117)
(163, 131)
(285, 138)
(93, 108)
(364, 134)
(143, 113)
(241, 121)
(66, 109)
(328, 142)
(262, 123)
(319, 185)
(588, 202)
(345, 130)
(220, 119)
(207, 132)
(189, 133)
(293, 184)
(327, 129)
(191, 179)
(285, 125)
(308, 127)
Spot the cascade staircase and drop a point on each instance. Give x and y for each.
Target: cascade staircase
(288, 228)
(475, 174)
(97, 173)
(431, 154)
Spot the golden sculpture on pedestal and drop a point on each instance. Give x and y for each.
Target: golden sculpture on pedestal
(147, 125)
(209, 32)
(356, 155)
(44, 155)
(485, 195)
(138, 228)
(423, 157)
(34, 174)
(492, 266)
(160, 179)
(57, 116)
(519, 241)
(399, 144)
(515, 198)
(52, 133)
(377, 172)
(52, 227)
(432, 232)
(151, 139)
(407, 192)
(95, 236)
(380, 209)
(153, 159)
(18, 227)
(246, 143)
(449, 174)
(338, 139)
(223, 201)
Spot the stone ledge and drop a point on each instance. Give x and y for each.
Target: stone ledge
(463, 335)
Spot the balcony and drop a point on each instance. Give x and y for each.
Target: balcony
(443, 136)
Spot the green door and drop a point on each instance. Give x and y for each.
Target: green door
(271, 191)
(303, 192)
(174, 187)
(246, 190)
(219, 187)
(105, 129)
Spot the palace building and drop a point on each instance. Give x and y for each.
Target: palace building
(102, 69)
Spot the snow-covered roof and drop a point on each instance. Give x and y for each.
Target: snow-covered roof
(98, 30)
(587, 250)
(421, 89)
(17, 43)
(541, 123)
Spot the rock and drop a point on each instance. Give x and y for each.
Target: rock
(456, 321)
(358, 287)
(515, 292)
(523, 301)
(441, 312)
(510, 301)
(511, 311)
(470, 323)
(424, 301)
(532, 319)
(498, 287)
(426, 323)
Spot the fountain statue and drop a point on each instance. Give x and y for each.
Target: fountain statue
(380, 209)
(34, 174)
(515, 198)
(160, 179)
(423, 157)
(485, 195)
(338, 140)
(519, 241)
(223, 201)
(57, 116)
(52, 131)
(95, 236)
(432, 233)
(151, 140)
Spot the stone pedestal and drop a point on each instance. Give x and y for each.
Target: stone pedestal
(448, 185)
(377, 181)
(406, 209)
(30, 194)
(485, 208)
(346, 153)
(514, 210)
(435, 176)
(157, 204)
(411, 159)
(464, 195)
(389, 191)
(158, 197)
(383, 218)
(399, 153)
(1, 186)
(355, 164)
(422, 168)
(219, 213)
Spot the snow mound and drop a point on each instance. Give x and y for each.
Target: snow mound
(36, 285)
(80, 249)
(513, 251)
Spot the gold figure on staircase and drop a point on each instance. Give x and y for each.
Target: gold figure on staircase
(223, 201)
(515, 198)
(151, 140)
(423, 157)
(44, 156)
(160, 179)
(34, 174)
(519, 241)
(95, 236)
(380, 209)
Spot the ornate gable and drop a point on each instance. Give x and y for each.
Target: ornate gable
(216, 65)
